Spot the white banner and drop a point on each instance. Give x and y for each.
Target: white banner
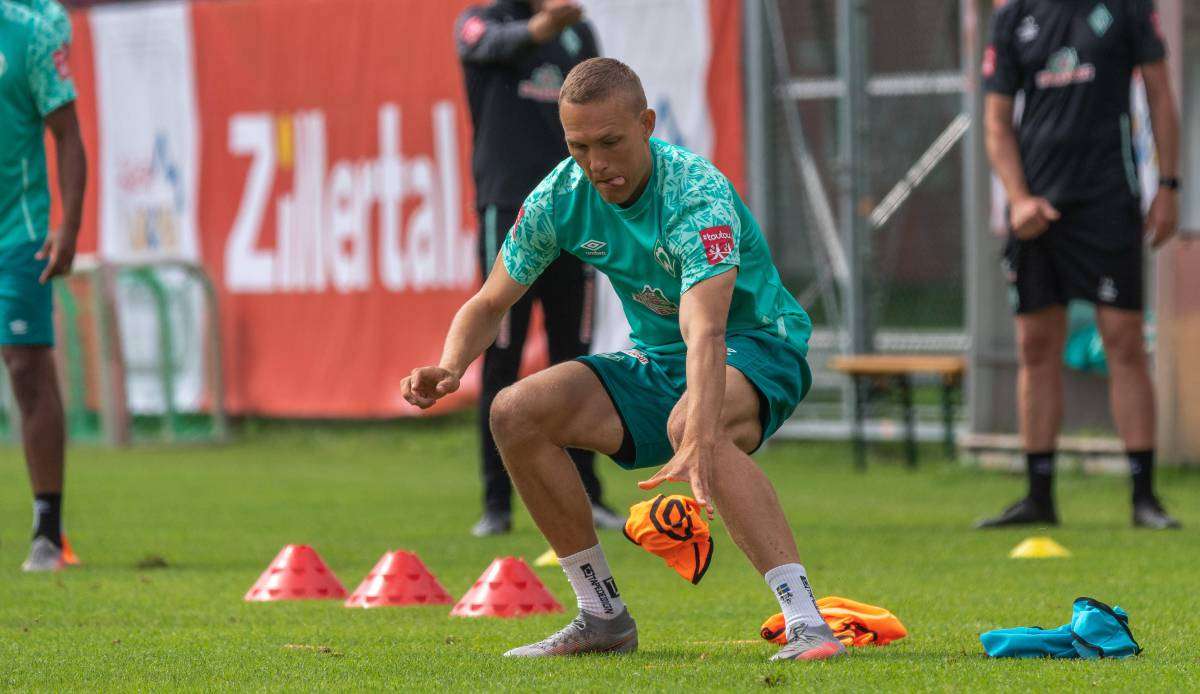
(668, 43)
(148, 165)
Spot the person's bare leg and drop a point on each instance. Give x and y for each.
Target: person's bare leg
(1040, 339)
(741, 491)
(750, 508)
(533, 422)
(34, 380)
(1131, 394)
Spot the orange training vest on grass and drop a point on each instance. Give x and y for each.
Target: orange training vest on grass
(854, 623)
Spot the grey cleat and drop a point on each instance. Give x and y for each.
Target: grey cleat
(585, 634)
(810, 643)
(44, 555)
(605, 518)
(492, 523)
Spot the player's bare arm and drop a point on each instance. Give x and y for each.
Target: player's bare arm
(59, 248)
(1162, 220)
(1030, 216)
(703, 312)
(474, 327)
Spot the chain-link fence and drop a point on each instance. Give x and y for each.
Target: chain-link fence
(911, 265)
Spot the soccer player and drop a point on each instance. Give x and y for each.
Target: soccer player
(1076, 227)
(514, 55)
(36, 93)
(719, 363)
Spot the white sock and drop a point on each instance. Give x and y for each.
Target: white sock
(789, 583)
(595, 589)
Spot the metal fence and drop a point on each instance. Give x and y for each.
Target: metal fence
(855, 114)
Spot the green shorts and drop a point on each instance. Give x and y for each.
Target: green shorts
(26, 306)
(645, 386)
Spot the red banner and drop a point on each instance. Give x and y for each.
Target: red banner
(334, 202)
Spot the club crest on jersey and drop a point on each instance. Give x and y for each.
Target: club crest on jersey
(1100, 19)
(718, 243)
(1063, 69)
(665, 260)
(654, 299)
(594, 248)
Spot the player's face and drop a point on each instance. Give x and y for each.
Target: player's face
(611, 143)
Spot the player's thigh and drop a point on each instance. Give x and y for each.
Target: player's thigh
(1041, 334)
(740, 417)
(566, 404)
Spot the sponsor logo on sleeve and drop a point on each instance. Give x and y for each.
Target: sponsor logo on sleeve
(61, 64)
(718, 243)
(472, 30)
(517, 221)
(989, 61)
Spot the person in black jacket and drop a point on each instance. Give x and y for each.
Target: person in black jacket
(515, 55)
(1076, 225)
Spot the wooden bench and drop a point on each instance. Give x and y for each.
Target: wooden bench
(874, 373)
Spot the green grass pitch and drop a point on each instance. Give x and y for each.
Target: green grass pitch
(891, 537)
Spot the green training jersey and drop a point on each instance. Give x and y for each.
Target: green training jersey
(53, 14)
(34, 81)
(688, 225)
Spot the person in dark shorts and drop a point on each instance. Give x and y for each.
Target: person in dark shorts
(515, 55)
(1076, 226)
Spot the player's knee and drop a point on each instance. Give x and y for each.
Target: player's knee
(1038, 350)
(24, 372)
(1125, 348)
(511, 418)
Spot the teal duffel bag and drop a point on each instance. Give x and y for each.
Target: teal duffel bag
(1095, 631)
(1100, 631)
(1029, 642)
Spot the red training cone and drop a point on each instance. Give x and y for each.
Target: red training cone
(508, 588)
(297, 573)
(399, 578)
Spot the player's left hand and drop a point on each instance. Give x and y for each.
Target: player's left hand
(691, 464)
(1162, 221)
(59, 250)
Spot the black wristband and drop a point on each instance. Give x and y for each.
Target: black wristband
(1171, 183)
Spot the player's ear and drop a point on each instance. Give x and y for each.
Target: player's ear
(647, 119)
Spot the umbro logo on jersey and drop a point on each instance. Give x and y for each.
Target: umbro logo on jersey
(595, 248)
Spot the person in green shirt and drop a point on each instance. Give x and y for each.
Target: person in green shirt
(718, 364)
(36, 94)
